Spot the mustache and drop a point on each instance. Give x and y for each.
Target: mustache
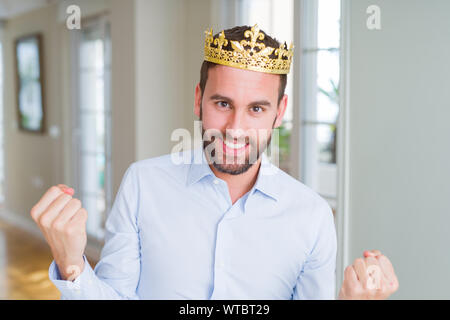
(212, 134)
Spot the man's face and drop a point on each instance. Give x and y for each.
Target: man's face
(239, 110)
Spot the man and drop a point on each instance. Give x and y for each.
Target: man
(230, 226)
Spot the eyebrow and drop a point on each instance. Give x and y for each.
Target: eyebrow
(230, 101)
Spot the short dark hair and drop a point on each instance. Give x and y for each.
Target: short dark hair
(237, 34)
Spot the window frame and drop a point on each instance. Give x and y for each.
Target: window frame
(103, 23)
(2, 124)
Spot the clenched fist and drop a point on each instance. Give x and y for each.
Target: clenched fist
(371, 278)
(62, 220)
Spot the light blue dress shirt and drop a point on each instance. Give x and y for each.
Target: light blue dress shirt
(173, 233)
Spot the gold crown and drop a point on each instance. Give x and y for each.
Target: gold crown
(248, 54)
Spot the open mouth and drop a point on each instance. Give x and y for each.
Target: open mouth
(232, 148)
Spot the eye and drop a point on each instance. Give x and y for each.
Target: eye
(257, 109)
(222, 104)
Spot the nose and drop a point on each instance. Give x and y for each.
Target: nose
(236, 123)
(235, 130)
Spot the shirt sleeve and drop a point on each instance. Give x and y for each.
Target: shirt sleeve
(317, 279)
(117, 273)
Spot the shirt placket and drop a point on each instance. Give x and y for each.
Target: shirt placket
(223, 246)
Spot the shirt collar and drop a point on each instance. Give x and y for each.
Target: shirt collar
(265, 182)
(199, 167)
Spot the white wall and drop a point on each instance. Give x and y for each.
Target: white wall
(123, 99)
(169, 52)
(399, 141)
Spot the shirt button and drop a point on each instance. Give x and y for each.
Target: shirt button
(216, 181)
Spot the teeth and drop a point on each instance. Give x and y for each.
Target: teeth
(234, 145)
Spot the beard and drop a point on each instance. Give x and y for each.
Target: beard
(232, 164)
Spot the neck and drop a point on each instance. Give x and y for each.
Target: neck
(239, 184)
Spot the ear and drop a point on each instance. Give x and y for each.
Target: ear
(281, 110)
(197, 100)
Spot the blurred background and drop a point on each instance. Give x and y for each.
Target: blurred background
(366, 124)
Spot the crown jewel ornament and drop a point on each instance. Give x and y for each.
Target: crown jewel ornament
(248, 54)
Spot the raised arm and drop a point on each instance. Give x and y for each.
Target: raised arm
(62, 220)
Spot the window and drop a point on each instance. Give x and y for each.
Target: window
(319, 80)
(93, 124)
(276, 19)
(320, 96)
